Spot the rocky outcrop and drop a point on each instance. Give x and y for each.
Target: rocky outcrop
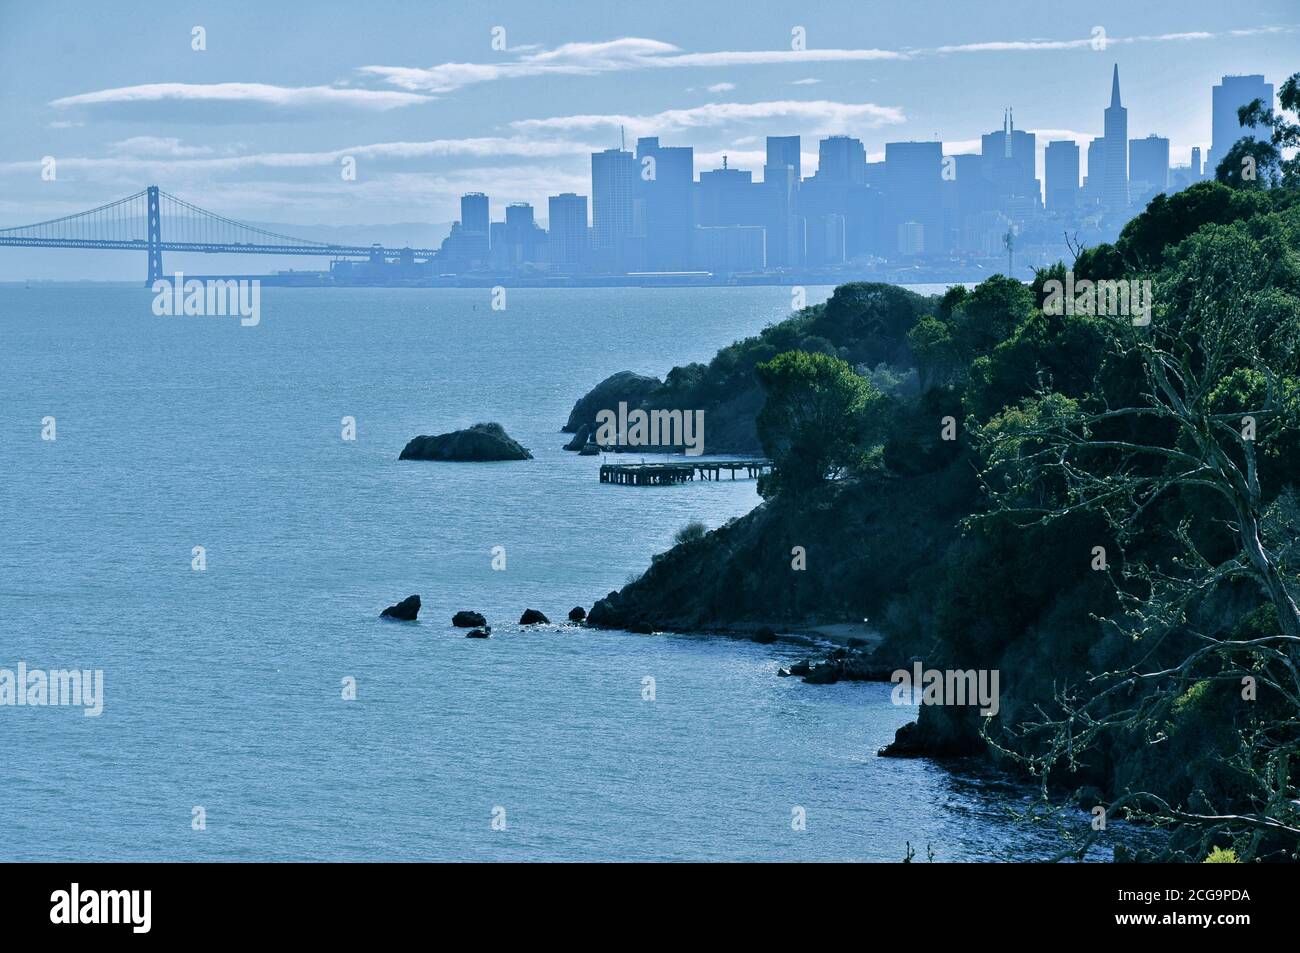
(467, 619)
(404, 611)
(533, 617)
(483, 633)
(577, 614)
(480, 442)
(626, 386)
(579, 439)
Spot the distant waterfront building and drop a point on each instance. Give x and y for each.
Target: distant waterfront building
(726, 249)
(1114, 157)
(1232, 93)
(567, 244)
(1148, 166)
(613, 188)
(1061, 171)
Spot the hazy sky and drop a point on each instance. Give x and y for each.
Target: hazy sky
(256, 126)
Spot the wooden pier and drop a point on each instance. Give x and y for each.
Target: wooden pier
(667, 474)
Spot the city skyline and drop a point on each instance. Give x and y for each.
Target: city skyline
(258, 121)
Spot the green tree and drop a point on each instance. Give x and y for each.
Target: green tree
(817, 421)
(1271, 167)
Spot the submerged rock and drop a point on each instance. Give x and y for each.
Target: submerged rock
(466, 619)
(483, 633)
(577, 614)
(533, 617)
(480, 442)
(406, 610)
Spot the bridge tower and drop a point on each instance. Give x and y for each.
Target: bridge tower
(155, 238)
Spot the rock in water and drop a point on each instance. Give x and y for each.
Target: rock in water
(476, 443)
(623, 386)
(579, 439)
(577, 614)
(406, 610)
(764, 636)
(533, 617)
(465, 619)
(483, 633)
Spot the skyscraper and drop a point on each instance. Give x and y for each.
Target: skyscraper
(784, 150)
(842, 160)
(568, 230)
(781, 176)
(665, 187)
(613, 187)
(474, 229)
(1148, 166)
(1114, 181)
(913, 176)
(1061, 170)
(1232, 93)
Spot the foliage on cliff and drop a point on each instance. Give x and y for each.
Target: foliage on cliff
(1103, 512)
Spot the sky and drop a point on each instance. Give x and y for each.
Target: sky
(431, 100)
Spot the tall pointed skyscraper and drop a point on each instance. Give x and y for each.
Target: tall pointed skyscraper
(1114, 179)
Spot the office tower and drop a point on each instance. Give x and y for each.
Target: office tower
(1114, 182)
(913, 175)
(568, 230)
(729, 196)
(1196, 172)
(1061, 170)
(784, 150)
(613, 188)
(1007, 157)
(474, 240)
(781, 215)
(524, 241)
(843, 160)
(665, 191)
(1148, 166)
(1232, 93)
(781, 176)
(1007, 166)
(726, 249)
(1091, 191)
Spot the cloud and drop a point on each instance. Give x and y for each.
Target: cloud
(722, 87)
(637, 53)
(148, 154)
(255, 94)
(156, 146)
(626, 53)
(815, 116)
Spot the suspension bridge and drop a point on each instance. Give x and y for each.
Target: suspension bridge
(154, 221)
